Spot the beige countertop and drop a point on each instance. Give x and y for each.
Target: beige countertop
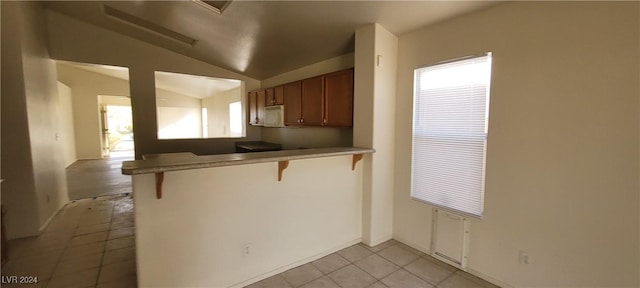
(167, 162)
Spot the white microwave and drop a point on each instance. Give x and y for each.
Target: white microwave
(274, 116)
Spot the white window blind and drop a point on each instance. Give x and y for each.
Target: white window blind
(451, 109)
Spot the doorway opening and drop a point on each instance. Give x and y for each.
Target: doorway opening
(101, 106)
(117, 127)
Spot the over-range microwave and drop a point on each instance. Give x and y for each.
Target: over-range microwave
(274, 116)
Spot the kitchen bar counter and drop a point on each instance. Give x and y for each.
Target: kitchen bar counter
(158, 163)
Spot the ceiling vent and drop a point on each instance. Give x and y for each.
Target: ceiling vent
(148, 26)
(215, 6)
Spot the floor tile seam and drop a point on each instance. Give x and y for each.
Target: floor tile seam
(430, 283)
(414, 261)
(401, 266)
(446, 278)
(374, 277)
(105, 249)
(439, 263)
(66, 248)
(354, 263)
(327, 274)
(83, 269)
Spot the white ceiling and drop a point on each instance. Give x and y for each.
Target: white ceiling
(261, 39)
(194, 86)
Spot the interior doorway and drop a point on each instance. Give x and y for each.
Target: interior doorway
(101, 108)
(117, 127)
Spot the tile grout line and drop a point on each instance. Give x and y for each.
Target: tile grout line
(425, 280)
(374, 253)
(104, 251)
(446, 278)
(66, 246)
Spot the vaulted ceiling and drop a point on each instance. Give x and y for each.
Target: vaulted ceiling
(260, 39)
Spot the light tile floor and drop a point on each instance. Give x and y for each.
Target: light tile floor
(89, 243)
(391, 264)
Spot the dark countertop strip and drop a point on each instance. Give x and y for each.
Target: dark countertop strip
(184, 161)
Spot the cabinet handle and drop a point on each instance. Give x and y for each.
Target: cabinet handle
(324, 121)
(302, 120)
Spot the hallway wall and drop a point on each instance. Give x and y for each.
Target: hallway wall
(35, 186)
(67, 131)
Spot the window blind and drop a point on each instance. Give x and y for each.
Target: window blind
(451, 108)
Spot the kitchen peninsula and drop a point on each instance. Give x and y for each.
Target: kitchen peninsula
(233, 219)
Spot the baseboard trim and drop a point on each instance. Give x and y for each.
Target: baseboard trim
(378, 241)
(467, 269)
(413, 245)
(46, 223)
(488, 278)
(296, 264)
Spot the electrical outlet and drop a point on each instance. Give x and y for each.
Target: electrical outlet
(523, 257)
(246, 249)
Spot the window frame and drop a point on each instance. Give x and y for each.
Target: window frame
(448, 134)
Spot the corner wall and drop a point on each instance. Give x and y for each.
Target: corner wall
(562, 161)
(374, 118)
(67, 131)
(18, 189)
(35, 177)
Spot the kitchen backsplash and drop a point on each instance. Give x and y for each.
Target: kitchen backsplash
(309, 137)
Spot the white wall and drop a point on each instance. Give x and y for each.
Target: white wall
(18, 190)
(66, 133)
(374, 115)
(179, 116)
(179, 122)
(36, 186)
(194, 236)
(218, 112)
(72, 40)
(562, 161)
(310, 137)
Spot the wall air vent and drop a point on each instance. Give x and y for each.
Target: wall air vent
(148, 26)
(215, 6)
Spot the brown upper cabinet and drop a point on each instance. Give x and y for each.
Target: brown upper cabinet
(338, 99)
(256, 107)
(275, 96)
(325, 100)
(312, 101)
(292, 103)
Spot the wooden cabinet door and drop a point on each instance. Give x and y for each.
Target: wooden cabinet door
(253, 107)
(260, 104)
(292, 103)
(269, 97)
(338, 105)
(312, 101)
(278, 96)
